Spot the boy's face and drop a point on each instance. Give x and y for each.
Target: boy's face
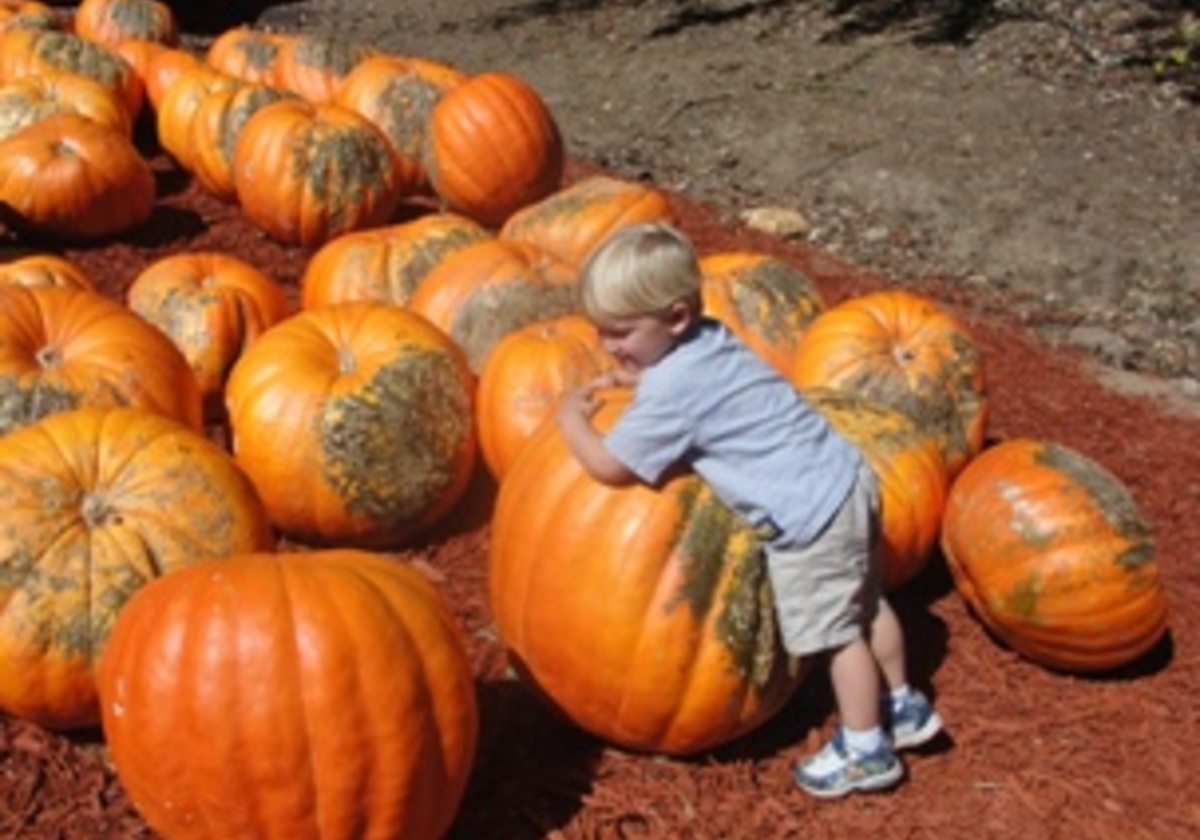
(638, 343)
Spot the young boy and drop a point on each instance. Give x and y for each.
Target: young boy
(703, 397)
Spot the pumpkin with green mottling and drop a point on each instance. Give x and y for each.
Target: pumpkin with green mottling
(30, 52)
(247, 53)
(572, 221)
(216, 124)
(112, 21)
(314, 66)
(644, 615)
(306, 173)
(385, 264)
(63, 348)
(1052, 554)
(94, 504)
(766, 301)
(901, 349)
(913, 483)
(355, 422)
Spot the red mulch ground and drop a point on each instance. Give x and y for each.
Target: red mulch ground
(1030, 754)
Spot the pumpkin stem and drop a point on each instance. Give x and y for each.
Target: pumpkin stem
(96, 511)
(49, 357)
(346, 362)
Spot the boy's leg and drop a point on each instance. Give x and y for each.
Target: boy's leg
(911, 719)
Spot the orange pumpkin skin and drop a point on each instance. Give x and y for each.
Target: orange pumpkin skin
(158, 65)
(492, 148)
(355, 423)
(1050, 552)
(28, 99)
(385, 264)
(177, 111)
(212, 306)
(28, 52)
(63, 348)
(524, 377)
(326, 696)
(45, 270)
(306, 173)
(314, 66)
(246, 53)
(397, 94)
(487, 290)
(900, 349)
(645, 616)
(94, 503)
(215, 127)
(913, 483)
(765, 301)
(572, 221)
(70, 177)
(112, 21)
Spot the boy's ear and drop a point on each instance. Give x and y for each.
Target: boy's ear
(680, 317)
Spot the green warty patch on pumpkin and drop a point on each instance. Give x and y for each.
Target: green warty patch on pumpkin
(768, 296)
(21, 405)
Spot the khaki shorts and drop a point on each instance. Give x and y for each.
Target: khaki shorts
(827, 593)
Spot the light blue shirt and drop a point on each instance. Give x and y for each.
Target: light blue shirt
(716, 405)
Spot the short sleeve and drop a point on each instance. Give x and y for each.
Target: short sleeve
(651, 436)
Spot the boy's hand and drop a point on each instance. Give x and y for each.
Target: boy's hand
(580, 403)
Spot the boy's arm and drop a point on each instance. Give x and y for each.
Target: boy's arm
(575, 411)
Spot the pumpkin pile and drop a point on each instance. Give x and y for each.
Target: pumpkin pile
(199, 483)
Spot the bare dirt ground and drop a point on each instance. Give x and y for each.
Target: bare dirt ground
(1024, 150)
(1027, 172)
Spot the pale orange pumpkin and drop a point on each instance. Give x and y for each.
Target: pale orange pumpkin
(94, 504)
(62, 348)
(385, 264)
(355, 423)
(212, 306)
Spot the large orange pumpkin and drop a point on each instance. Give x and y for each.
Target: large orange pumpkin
(572, 221)
(492, 147)
(384, 264)
(764, 300)
(1051, 553)
(73, 178)
(901, 349)
(212, 306)
(355, 423)
(305, 173)
(644, 615)
(62, 348)
(481, 293)
(94, 503)
(325, 696)
(524, 377)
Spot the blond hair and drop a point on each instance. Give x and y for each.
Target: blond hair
(640, 270)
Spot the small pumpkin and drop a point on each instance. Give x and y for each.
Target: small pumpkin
(766, 301)
(571, 221)
(94, 504)
(1052, 554)
(645, 616)
(325, 695)
(112, 21)
(70, 177)
(306, 173)
(28, 14)
(523, 378)
(62, 348)
(397, 93)
(212, 306)
(901, 349)
(45, 270)
(355, 422)
(385, 264)
(157, 64)
(177, 109)
(216, 125)
(485, 291)
(492, 147)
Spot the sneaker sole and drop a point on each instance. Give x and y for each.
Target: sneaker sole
(919, 737)
(874, 784)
